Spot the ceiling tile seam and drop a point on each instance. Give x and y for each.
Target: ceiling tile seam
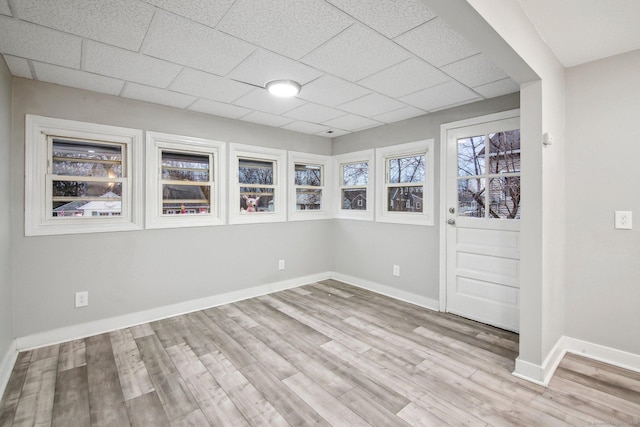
(411, 29)
(301, 59)
(83, 55)
(13, 8)
(151, 28)
(172, 82)
(194, 101)
(224, 15)
(32, 68)
(124, 88)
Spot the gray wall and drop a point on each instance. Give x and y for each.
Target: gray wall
(603, 175)
(127, 272)
(6, 307)
(368, 250)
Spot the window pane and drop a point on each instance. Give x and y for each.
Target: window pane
(76, 158)
(183, 199)
(308, 175)
(504, 152)
(256, 199)
(354, 199)
(406, 169)
(471, 197)
(185, 167)
(255, 171)
(471, 156)
(504, 197)
(308, 199)
(405, 199)
(79, 198)
(355, 174)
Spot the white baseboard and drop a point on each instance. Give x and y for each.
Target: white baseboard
(379, 288)
(542, 374)
(604, 354)
(6, 366)
(84, 330)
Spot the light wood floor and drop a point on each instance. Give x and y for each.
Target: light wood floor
(325, 354)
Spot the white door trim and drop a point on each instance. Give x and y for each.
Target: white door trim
(444, 129)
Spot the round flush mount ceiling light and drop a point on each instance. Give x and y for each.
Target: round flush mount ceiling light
(283, 88)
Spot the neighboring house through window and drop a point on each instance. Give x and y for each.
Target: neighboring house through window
(355, 183)
(81, 177)
(405, 183)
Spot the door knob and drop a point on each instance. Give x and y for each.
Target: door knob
(451, 221)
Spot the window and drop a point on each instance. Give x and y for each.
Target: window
(81, 177)
(355, 182)
(489, 175)
(405, 183)
(258, 193)
(308, 186)
(185, 181)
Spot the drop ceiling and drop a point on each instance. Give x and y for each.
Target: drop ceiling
(361, 64)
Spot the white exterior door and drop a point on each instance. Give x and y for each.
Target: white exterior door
(483, 221)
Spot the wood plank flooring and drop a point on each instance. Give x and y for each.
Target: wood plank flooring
(322, 354)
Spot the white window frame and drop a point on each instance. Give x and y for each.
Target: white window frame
(326, 164)
(279, 157)
(364, 156)
(156, 143)
(39, 220)
(424, 147)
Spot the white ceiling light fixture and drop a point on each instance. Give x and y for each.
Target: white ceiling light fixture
(283, 88)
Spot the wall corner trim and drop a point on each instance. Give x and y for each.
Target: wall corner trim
(542, 374)
(6, 365)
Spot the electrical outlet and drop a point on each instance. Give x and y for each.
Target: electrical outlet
(623, 220)
(396, 270)
(82, 299)
(281, 264)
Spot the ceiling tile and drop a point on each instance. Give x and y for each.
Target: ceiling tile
(120, 23)
(436, 43)
(263, 66)
(185, 42)
(219, 109)
(157, 96)
(75, 78)
(331, 91)
(390, 18)
(262, 100)
(371, 105)
(405, 78)
(4, 8)
(399, 115)
(356, 53)
(204, 85)
(206, 12)
(291, 28)
(42, 44)
(501, 87)
(306, 127)
(352, 122)
(18, 67)
(440, 96)
(124, 64)
(474, 71)
(314, 113)
(266, 119)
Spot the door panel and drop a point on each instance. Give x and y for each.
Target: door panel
(483, 222)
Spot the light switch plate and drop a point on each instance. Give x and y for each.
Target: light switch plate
(623, 220)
